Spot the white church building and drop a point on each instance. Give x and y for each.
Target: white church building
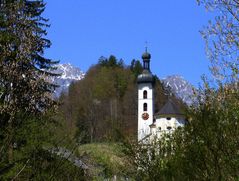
(151, 124)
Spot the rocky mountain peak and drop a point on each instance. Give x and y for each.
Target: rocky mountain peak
(180, 87)
(69, 74)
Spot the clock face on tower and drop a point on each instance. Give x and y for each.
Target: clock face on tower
(145, 116)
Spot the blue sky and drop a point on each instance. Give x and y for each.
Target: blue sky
(83, 30)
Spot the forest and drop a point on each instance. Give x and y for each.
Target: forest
(90, 132)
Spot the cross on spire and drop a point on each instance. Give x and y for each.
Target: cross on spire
(146, 46)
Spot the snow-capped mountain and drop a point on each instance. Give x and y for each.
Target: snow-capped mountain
(69, 73)
(180, 87)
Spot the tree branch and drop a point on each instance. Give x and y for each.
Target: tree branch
(21, 170)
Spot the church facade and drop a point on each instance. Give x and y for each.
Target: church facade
(151, 124)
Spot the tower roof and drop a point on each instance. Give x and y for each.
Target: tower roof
(146, 56)
(170, 108)
(146, 76)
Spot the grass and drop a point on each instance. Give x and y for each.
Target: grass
(104, 159)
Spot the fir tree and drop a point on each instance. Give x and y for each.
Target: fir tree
(25, 86)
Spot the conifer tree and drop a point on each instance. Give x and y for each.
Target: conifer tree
(23, 68)
(25, 86)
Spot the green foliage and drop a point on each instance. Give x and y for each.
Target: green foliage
(136, 67)
(32, 159)
(154, 160)
(111, 62)
(98, 105)
(212, 136)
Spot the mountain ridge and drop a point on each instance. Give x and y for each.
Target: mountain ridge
(179, 86)
(68, 74)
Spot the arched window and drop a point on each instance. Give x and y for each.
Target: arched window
(145, 94)
(169, 127)
(145, 107)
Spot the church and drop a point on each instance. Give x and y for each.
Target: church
(151, 124)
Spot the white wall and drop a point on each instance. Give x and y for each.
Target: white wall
(163, 123)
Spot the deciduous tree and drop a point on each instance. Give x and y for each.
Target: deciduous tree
(222, 37)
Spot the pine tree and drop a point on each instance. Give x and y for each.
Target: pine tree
(23, 68)
(136, 67)
(25, 86)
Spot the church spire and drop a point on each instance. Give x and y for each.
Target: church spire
(146, 59)
(146, 76)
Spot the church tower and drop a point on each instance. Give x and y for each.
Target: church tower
(145, 98)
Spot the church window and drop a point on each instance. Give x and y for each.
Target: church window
(145, 107)
(145, 94)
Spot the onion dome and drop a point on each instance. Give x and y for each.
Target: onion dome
(146, 56)
(146, 76)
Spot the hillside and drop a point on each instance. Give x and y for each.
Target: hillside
(103, 105)
(103, 159)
